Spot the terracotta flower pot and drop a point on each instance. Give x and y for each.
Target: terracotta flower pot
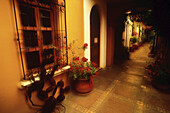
(83, 85)
(160, 86)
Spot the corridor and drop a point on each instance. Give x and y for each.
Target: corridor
(124, 88)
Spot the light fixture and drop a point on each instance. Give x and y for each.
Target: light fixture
(128, 12)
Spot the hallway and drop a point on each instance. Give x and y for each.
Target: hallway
(124, 88)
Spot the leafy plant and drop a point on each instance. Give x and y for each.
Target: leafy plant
(81, 67)
(133, 39)
(159, 72)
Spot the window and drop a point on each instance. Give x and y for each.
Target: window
(42, 28)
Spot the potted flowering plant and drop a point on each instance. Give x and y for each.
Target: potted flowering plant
(81, 68)
(160, 75)
(81, 72)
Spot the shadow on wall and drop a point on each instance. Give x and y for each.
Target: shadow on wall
(121, 52)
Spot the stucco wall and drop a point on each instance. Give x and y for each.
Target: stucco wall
(75, 25)
(11, 99)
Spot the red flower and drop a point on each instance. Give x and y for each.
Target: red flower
(135, 33)
(96, 73)
(77, 68)
(149, 71)
(76, 58)
(81, 69)
(67, 48)
(84, 59)
(94, 64)
(71, 68)
(60, 58)
(88, 69)
(81, 64)
(85, 45)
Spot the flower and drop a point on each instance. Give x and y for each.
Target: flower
(76, 58)
(135, 33)
(81, 67)
(85, 46)
(67, 48)
(96, 73)
(158, 73)
(94, 64)
(84, 59)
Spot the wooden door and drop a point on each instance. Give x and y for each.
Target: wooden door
(95, 35)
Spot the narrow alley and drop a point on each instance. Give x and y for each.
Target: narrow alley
(123, 88)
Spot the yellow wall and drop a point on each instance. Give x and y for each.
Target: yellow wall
(11, 98)
(75, 25)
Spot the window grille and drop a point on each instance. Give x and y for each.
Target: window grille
(42, 32)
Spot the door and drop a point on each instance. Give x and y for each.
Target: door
(95, 36)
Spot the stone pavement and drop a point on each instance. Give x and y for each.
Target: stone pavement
(123, 88)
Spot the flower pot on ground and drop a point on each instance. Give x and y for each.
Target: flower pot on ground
(160, 75)
(83, 85)
(135, 46)
(160, 86)
(80, 72)
(133, 43)
(131, 49)
(161, 79)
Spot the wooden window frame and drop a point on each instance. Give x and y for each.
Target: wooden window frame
(39, 30)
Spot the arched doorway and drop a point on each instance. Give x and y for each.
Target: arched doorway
(95, 36)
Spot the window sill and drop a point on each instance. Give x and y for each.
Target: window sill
(25, 83)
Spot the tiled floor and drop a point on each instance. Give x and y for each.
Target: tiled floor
(124, 88)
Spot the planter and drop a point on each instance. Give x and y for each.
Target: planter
(83, 85)
(135, 46)
(160, 86)
(131, 49)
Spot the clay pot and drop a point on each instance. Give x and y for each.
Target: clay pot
(160, 86)
(83, 85)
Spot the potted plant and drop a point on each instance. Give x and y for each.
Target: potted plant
(160, 75)
(81, 72)
(133, 41)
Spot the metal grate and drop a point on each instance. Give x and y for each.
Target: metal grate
(43, 27)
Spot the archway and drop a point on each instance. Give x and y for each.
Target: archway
(95, 36)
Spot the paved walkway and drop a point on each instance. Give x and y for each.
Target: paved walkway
(124, 88)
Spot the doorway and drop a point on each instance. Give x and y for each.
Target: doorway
(95, 36)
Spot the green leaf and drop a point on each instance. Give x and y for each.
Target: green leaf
(75, 76)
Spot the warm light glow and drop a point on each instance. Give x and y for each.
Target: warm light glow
(150, 10)
(128, 12)
(143, 87)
